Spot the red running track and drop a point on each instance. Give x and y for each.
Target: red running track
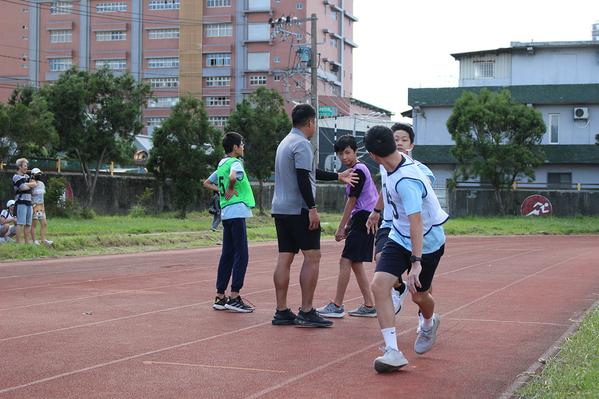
(151, 331)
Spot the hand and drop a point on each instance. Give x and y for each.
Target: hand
(413, 277)
(314, 219)
(230, 193)
(340, 234)
(372, 224)
(349, 177)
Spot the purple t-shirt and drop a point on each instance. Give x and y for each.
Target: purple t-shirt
(368, 195)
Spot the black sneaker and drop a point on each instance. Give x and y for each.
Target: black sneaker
(283, 317)
(219, 303)
(311, 319)
(237, 305)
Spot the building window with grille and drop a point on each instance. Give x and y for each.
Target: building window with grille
(559, 180)
(299, 6)
(163, 62)
(258, 80)
(164, 5)
(111, 36)
(163, 102)
(218, 121)
(155, 121)
(553, 128)
(61, 36)
(218, 81)
(25, 9)
(333, 14)
(111, 7)
(218, 59)
(277, 59)
(218, 30)
(60, 64)
(484, 69)
(61, 7)
(334, 42)
(218, 3)
(163, 33)
(277, 78)
(161, 83)
(112, 64)
(218, 101)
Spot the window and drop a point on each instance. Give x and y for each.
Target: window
(299, 37)
(218, 81)
(277, 78)
(218, 59)
(218, 101)
(61, 36)
(164, 82)
(299, 6)
(60, 64)
(25, 26)
(334, 42)
(218, 3)
(111, 36)
(163, 102)
(25, 55)
(218, 121)
(111, 7)
(61, 7)
(277, 59)
(333, 14)
(25, 37)
(25, 66)
(112, 64)
(155, 121)
(484, 69)
(163, 33)
(298, 84)
(164, 5)
(553, 128)
(163, 62)
(557, 180)
(258, 80)
(25, 9)
(218, 30)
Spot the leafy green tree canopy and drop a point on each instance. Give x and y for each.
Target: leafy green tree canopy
(186, 149)
(496, 139)
(263, 122)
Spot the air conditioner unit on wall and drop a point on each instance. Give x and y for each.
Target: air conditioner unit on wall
(581, 113)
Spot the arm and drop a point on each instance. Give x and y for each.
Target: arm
(372, 224)
(210, 186)
(348, 176)
(416, 234)
(231, 188)
(305, 188)
(342, 230)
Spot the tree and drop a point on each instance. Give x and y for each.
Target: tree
(263, 122)
(97, 116)
(185, 149)
(496, 139)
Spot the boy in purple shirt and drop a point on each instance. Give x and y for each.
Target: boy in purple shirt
(358, 241)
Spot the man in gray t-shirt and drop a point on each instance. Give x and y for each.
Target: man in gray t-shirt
(296, 219)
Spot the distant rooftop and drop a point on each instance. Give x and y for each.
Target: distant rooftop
(526, 46)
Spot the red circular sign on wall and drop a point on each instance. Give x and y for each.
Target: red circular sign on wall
(536, 205)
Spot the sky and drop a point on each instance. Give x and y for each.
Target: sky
(407, 44)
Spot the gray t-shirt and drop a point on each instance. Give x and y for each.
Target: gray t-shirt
(294, 152)
(37, 193)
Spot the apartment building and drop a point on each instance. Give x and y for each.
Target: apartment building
(219, 50)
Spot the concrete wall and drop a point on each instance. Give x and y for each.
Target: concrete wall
(115, 195)
(481, 202)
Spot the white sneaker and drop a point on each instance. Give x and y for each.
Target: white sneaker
(2, 239)
(47, 242)
(398, 298)
(426, 338)
(8, 239)
(391, 360)
(36, 243)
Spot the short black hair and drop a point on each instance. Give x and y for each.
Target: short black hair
(379, 141)
(231, 139)
(406, 128)
(302, 114)
(346, 141)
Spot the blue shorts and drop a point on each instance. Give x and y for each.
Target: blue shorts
(24, 214)
(395, 260)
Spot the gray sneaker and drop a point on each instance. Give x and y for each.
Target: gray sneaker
(363, 311)
(426, 338)
(331, 310)
(398, 298)
(391, 360)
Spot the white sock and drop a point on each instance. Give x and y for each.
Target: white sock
(427, 324)
(390, 338)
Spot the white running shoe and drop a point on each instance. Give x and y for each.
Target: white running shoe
(391, 360)
(8, 239)
(398, 298)
(47, 242)
(36, 243)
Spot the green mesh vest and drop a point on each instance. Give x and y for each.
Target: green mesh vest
(243, 188)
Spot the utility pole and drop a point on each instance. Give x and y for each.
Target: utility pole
(314, 87)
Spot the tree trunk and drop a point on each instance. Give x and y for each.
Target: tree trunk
(260, 196)
(500, 201)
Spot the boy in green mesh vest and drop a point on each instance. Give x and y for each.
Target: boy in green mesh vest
(236, 201)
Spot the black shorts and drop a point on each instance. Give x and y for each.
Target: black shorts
(358, 246)
(293, 233)
(382, 236)
(395, 260)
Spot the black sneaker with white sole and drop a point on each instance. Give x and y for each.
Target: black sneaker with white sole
(237, 305)
(219, 303)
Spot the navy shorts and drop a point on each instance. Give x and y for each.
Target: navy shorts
(382, 236)
(358, 246)
(395, 260)
(293, 233)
